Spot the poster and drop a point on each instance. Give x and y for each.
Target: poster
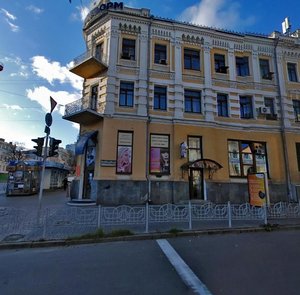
(159, 154)
(124, 159)
(257, 189)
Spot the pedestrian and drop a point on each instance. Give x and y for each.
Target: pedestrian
(65, 183)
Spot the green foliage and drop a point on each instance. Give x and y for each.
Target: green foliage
(119, 233)
(3, 177)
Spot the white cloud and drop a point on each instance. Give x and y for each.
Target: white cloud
(42, 96)
(223, 14)
(35, 9)
(52, 71)
(13, 27)
(12, 107)
(80, 15)
(8, 14)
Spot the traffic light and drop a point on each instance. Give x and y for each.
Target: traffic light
(54, 143)
(39, 147)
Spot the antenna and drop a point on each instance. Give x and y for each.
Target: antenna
(286, 26)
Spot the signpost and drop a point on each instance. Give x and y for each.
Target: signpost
(48, 121)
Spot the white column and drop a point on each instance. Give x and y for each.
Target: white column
(179, 95)
(255, 65)
(231, 64)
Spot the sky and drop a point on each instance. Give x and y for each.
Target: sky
(39, 39)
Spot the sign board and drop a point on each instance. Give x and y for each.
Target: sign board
(108, 163)
(257, 189)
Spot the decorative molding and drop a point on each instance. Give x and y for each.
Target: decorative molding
(220, 43)
(161, 33)
(132, 29)
(192, 39)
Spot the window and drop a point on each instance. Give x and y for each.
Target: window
(269, 103)
(296, 106)
(246, 107)
(298, 154)
(242, 66)
(192, 101)
(160, 98)
(220, 64)
(124, 152)
(292, 72)
(265, 69)
(192, 59)
(99, 51)
(245, 157)
(160, 54)
(128, 49)
(194, 148)
(159, 154)
(94, 97)
(222, 101)
(126, 94)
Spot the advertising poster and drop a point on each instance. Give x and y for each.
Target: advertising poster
(155, 160)
(257, 189)
(124, 159)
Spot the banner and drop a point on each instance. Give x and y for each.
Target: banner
(257, 189)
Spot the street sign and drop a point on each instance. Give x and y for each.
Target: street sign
(48, 119)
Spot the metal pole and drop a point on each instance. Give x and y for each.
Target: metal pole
(42, 177)
(147, 217)
(229, 215)
(190, 214)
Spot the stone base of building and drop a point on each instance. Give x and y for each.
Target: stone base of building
(121, 192)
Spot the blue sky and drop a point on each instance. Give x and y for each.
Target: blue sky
(39, 39)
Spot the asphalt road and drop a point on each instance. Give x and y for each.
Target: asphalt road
(232, 264)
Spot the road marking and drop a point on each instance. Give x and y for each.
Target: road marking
(186, 274)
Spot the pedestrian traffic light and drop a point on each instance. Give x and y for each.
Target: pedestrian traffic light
(39, 147)
(54, 143)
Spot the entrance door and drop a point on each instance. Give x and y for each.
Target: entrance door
(196, 184)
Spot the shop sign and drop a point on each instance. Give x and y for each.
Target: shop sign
(257, 189)
(108, 163)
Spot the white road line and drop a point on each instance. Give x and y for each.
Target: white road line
(186, 274)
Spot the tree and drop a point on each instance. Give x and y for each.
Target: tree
(16, 152)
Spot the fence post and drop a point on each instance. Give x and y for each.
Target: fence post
(99, 216)
(229, 215)
(190, 214)
(147, 218)
(265, 214)
(45, 223)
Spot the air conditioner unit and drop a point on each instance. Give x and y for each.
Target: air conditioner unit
(265, 110)
(162, 61)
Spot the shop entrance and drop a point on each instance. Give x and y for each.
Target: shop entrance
(196, 184)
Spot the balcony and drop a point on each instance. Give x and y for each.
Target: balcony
(89, 65)
(79, 111)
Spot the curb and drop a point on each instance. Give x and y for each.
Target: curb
(151, 236)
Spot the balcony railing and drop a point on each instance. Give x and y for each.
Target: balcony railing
(103, 58)
(89, 64)
(74, 107)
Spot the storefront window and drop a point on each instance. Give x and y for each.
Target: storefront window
(124, 152)
(246, 157)
(159, 154)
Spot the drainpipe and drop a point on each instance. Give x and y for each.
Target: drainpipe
(148, 116)
(283, 131)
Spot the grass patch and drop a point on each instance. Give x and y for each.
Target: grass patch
(270, 227)
(175, 231)
(3, 177)
(98, 234)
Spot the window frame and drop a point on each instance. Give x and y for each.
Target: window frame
(220, 63)
(128, 49)
(264, 67)
(222, 100)
(191, 59)
(270, 103)
(296, 107)
(160, 98)
(190, 149)
(94, 97)
(244, 159)
(292, 72)
(126, 92)
(242, 66)
(160, 53)
(193, 100)
(246, 105)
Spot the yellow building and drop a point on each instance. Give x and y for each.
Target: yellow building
(173, 111)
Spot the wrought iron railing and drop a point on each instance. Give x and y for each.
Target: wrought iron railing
(60, 223)
(88, 54)
(74, 107)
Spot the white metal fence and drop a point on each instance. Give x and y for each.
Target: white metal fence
(60, 223)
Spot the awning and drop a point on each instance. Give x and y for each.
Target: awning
(82, 141)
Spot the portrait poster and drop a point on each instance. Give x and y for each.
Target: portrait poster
(124, 160)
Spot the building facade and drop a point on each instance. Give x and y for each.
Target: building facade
(172, 111)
